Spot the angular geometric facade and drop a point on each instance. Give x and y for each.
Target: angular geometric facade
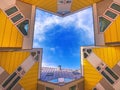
(20, 65)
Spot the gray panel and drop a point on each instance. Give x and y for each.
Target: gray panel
(17, 87)
(106, 85)
(116, 69)
(3, 76)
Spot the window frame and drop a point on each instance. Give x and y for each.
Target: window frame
(73, 86)
(16, 15)
(107, 26)
(114, 9)
(111, 19)
(12, 13)
(21, 22)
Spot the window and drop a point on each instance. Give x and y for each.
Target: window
(104, 23)
(68, 1)
(76, 73)
(9, 79)
(107, 77)
(110, 14)
(111, 73)
(61, 1)
(13, 83)
(115, 7)
(73, 88)
(50, 74)
(24, 26)
(98, 68)
(17, 18)
(11, 10)
(47, 88)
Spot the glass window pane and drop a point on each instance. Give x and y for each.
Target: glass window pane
(115, 7)
(47, 88)
(111, 14)
(111, 73)
(17, 18)
(104, 23)
(11, 10)
(73, 88)
(24, 26)
(107, 77)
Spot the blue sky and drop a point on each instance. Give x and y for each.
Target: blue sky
(61, 38)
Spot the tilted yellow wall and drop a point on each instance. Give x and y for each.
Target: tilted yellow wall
(9, 35)
(11, 60)
(49, 5)
(30, 80)
(112, 34)
(109, 55)
(79, 4)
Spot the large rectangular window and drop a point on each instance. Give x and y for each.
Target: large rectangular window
(73, 88)
(115, 7)
(111, 73)
(107, 77)
(104, 23)
(16, 18)
(110, 14)
(11, 10)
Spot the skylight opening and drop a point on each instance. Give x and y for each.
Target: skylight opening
(61, 38)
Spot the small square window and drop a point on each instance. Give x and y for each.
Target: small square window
(11, 10)
(73, 88)
(104, 23)
(111, 14)
(48, 88)
(115, 7)
(16, 18)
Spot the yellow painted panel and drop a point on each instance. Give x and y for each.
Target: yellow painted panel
(118, 27)
(91, 76)
(109, 55)
(2, 26)
(49, 5)
(11, 60)
(80, 4)
(29, 81)
(9, 35)
(112, 33)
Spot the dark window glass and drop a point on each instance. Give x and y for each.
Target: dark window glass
(104, 23)
(9, 79)
(111, 14)
(107, 77)
(68, 1)
(19, 68)
(11, 10)
(24, 26)
(98, 68)
(47, 88)
(13, 83)
(16, 18)
(111, 73)
(73, 88)
(115, 7)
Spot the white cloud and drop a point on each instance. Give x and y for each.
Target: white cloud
(82, 20)
(50, 64)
